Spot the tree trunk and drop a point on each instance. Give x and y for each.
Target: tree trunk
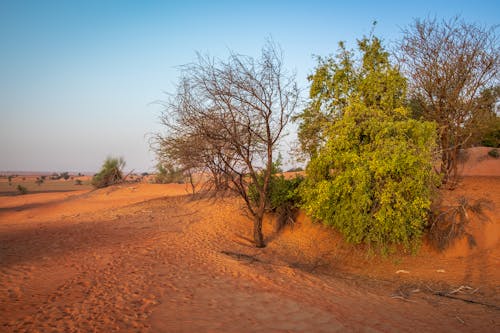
(258, 237)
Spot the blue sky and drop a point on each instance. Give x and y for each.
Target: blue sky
(78, 79)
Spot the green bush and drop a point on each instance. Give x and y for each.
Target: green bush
(111, 173)
(283, 196)
(22, 189)
(373, 179)
(494, 153)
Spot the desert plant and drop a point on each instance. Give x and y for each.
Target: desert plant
(227, 118)
(494, 153)
(168, 173)
(78, 182)
(22, 189)
(111, 173)
(370, 175)
(282, 198)
(39, 181)
(448, 64)
(449, 223)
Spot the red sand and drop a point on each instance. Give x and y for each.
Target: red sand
(146, 258)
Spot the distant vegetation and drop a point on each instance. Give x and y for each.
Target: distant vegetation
(111, 173)
(167, 173)
(22, 189)
(62, 175)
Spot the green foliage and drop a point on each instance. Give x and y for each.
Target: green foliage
(372, 178)
(111, 173)
(336, 80)
(282, 191)
(168, 173)
(22, 189)
(494, 153)
(283, 196)
(491, 137)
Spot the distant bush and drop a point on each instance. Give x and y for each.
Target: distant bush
(78, 182)
(111, 173)
(39, 181)
(22, 189)
(168, 174)
(494, 153)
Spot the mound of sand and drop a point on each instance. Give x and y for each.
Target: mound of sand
(148, 258)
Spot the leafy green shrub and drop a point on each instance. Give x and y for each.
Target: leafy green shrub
(373, 179)
(370, 175)
(494, 153)
(283, 196)
(492, 138)
(22, 189)
(111, 173)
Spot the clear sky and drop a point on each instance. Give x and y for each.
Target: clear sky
(78, 79)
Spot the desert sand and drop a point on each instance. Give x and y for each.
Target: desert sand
(150, 258)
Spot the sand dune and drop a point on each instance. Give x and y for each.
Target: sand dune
(148, 258)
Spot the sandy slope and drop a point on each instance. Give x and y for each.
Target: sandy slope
(147, 258)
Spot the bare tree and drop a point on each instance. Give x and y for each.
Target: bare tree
(448, 64)
(227, 118)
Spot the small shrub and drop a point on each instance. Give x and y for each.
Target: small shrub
(78, 182)
(39, 181)
(494, 153)
(168, 174)
(449, 223)
(283, 197)
(111, 173)
(22, 189)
